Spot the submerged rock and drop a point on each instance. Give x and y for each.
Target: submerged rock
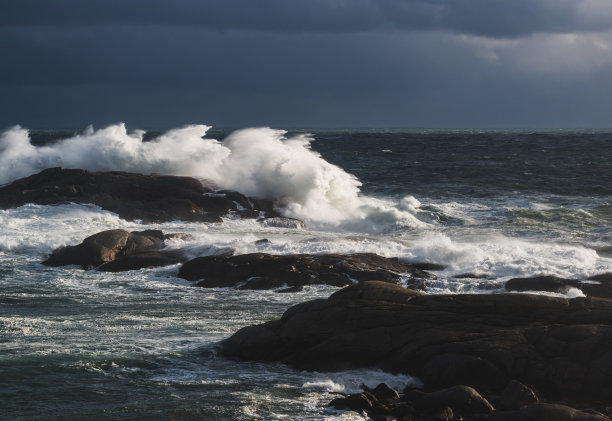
(150, 198)
(118, 250)
(560, 346)
(266, 271)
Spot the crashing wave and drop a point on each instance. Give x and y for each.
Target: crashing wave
(259, 162)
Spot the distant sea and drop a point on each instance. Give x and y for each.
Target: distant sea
(141, 345)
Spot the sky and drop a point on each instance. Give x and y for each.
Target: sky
(306, 63)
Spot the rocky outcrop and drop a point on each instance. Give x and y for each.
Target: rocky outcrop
(594, 286)
(266, 271)
(118, 250)
(453, 404)
(150, 198)
(560, 346)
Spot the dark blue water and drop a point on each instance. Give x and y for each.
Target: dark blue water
(450, 164)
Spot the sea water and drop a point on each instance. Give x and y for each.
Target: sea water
(142, 344)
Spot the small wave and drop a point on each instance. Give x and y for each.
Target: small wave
(351, 381)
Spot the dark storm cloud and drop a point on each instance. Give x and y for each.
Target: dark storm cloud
(308, 63)
(493, 18)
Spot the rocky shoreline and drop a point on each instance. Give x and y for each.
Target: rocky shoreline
(561, 347)
(480, 357)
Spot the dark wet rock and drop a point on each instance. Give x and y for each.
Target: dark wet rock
(542, 283)
(418, 284)
(545, 412)
(427, 266)
(379, 403)
(595, 286)
(462, 400)
(281, 222)
(118, 250)
(469, 276)
(382, 391)
(604, 251)
(263, 242)
(516, 395)
(454, 404)
(143, 260)
(599, 285)
(354, 402)
(150, 198)
(560, 346)
(603, 277)
(266, 271)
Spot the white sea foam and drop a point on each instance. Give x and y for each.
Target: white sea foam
(39, 229)
(503, 257)
(260, 162)
(34, 229)
(351, 381)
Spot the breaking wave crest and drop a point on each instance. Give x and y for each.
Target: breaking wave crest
(260, 162)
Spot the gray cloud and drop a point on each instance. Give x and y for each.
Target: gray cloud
(461, 63)
(491, 18)
(152, 77)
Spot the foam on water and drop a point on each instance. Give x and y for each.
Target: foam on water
(146, 339)
(489, 253)
(500, 256)
(259, 162)
(34, 228)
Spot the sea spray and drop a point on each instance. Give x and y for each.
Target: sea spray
(259, 162)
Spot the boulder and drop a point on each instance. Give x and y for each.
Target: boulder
(461, 399)
(118, 250)
(542, 283)
(266, 271)
(378, 403)
(150, 198)
(382, 391)
(143, 260)
(516, 395)
(560, 346)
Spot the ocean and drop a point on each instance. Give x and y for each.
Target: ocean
(142, 344)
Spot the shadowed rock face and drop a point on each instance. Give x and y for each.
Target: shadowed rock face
(542, 412)
(265, 271)
(560, 346)
(119, 250)
(150, 198)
